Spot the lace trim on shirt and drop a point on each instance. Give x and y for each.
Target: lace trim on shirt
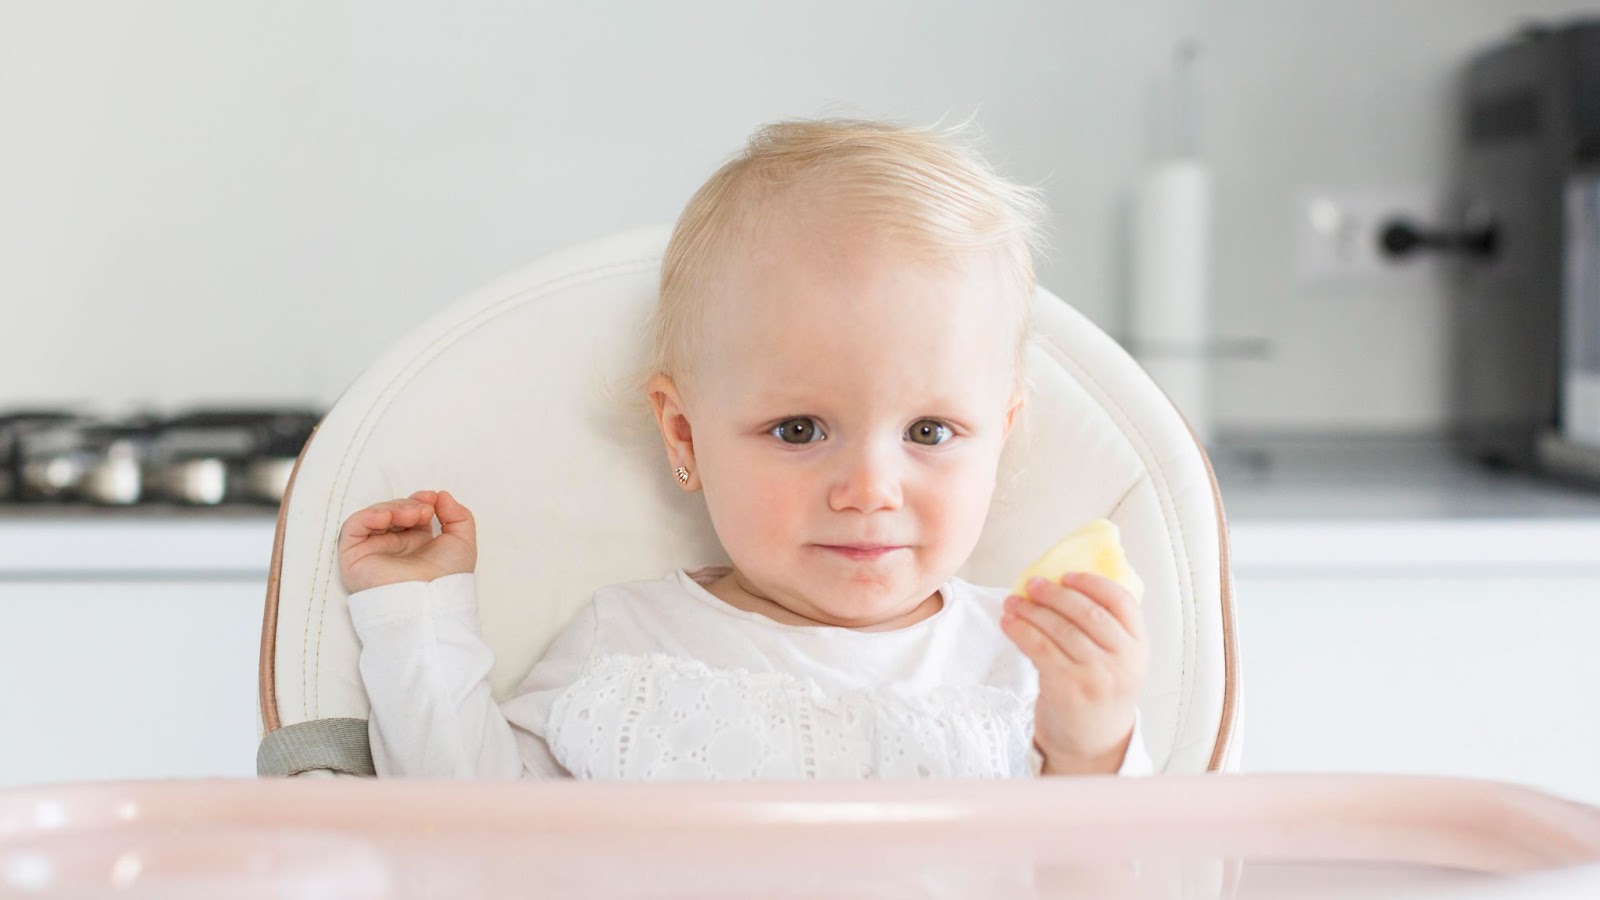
(658, 716)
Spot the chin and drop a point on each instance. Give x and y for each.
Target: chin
(867, 603)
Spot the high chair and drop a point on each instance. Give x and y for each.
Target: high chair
(519, 399)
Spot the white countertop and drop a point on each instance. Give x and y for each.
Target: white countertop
(136, 543)
(1380, 506)
(1397, 505)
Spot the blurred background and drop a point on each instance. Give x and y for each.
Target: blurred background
(214, 215)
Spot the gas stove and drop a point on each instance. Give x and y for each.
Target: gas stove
(211, 457)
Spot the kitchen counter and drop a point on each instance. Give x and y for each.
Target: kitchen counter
(1397, 504)
(122, 544)
(1383, 480)
(1293, 505)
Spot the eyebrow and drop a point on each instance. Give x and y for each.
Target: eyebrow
(789, 402)
(782, 397)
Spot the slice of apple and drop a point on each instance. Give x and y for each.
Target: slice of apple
(1096, 547)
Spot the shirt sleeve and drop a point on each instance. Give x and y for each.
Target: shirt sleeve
(425, 667)
(1135, 760)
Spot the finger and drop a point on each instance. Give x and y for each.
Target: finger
(1116, 599)
(364, 523)
(388, 516)
(1074, 644)
(388, 543)
(403, 514)
(1078, 608)
(1034, 644)
(455, 519)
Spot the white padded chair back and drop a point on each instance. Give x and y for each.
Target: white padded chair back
(518, 399)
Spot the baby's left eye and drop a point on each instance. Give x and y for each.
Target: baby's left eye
(929, 432)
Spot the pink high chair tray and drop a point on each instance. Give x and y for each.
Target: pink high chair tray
(1185, 836)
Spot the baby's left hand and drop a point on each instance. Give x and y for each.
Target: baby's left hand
(1086, 637)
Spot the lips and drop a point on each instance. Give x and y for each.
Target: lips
(861, 551)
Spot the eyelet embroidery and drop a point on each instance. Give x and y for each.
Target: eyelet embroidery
(662, 717)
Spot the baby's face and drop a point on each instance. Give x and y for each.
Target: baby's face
(848, 408)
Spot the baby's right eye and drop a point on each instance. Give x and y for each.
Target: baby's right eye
(799, 430)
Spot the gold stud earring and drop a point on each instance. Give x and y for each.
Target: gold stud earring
(682, 474)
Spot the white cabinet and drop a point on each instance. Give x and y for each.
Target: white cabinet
(1447, 646)
(1489, 674)
(107, 679)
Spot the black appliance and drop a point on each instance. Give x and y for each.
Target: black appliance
(1525, 386)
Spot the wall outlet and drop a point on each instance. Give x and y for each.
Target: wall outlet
(1337, 230)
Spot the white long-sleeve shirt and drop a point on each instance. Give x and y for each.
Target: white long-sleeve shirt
(660, 679)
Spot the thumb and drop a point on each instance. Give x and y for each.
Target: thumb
(455, 519)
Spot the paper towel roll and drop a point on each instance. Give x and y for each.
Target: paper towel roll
(1169, 321)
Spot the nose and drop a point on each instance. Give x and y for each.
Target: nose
(868, 480)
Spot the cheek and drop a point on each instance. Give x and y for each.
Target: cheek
(956, 501)
(754, 499)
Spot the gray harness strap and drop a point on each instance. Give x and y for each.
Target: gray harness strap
(336, 744)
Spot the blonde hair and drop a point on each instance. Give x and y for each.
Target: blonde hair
(926, 188)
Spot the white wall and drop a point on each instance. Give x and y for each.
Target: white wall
(204, 201)
(1348, 94)
(253, 199)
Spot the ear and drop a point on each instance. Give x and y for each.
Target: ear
(1012, 413)
(671, 418)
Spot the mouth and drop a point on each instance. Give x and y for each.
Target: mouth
(861, 551)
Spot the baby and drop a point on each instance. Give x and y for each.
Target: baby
(838, 364)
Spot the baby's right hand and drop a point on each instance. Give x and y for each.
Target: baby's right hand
(393, 541)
